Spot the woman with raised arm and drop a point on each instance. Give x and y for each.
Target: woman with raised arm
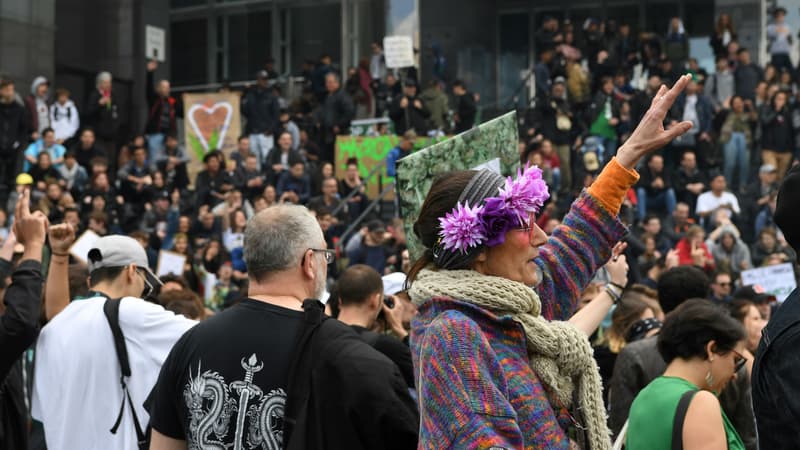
(495, 364)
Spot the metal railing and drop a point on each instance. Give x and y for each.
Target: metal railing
(357, 189)
(356, 223)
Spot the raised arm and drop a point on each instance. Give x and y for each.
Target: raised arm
(19, 325)
(56, 291)
(588, 319)
(583, 242)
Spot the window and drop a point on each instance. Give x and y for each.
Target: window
(514, 46)
(249, 44)
(186, 3)
(189, 51)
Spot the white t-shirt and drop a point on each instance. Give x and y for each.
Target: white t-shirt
(77, 393)
(708, 202)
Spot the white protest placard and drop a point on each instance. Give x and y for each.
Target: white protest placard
(170, 263)
(155, 43)
(80, 249)
(777, 280)
(398, 51)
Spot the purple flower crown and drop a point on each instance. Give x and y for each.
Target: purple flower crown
(466, 227)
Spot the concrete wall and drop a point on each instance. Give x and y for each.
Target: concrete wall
(748, 16)
(108, 35)
(27, 40)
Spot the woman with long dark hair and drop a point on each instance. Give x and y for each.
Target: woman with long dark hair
(494, 363)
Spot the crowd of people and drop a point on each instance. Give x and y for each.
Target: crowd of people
(636, 213)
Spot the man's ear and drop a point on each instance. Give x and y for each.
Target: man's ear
(130, 273)
(309, 265)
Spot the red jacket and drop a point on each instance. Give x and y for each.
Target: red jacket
(684, 248)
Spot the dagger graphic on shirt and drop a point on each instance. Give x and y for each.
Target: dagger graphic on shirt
(245, 389)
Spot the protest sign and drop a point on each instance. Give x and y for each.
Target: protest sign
(398, 51)
(212, 122)
(170, 263)
(496, 139)
(80, 249)
(370, 152)
(777, 280)
(369, 127)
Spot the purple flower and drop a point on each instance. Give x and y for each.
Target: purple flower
(462, 228)
(526, 194)
(498, 220)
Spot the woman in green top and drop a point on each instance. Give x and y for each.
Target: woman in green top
(702, 346)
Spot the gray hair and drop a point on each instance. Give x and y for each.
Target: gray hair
(102, 76)
(275, 238)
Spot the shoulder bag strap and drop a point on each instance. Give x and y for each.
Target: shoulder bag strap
(680, 416)
(111, 311)
(298, 389)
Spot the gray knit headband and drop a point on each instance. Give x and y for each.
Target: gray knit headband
(482, 185)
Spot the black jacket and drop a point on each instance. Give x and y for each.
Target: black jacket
(465, 108)
(777, 132)
(409, 117)
(343, 394)
(262, 111)
(545, 118)
(103, 118)
(776, 378)
(19, 327)
(155, 106)
(639, 363)
(13, 129)
(337, 111)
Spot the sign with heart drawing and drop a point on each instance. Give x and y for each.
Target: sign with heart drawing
(211, 122)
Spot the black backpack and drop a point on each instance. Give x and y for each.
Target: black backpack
(111, 310)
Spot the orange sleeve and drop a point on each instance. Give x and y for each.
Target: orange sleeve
(611, 186)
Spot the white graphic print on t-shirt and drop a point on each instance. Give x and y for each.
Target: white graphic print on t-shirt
(211, 403)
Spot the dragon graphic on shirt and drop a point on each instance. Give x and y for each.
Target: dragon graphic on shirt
(212, 403)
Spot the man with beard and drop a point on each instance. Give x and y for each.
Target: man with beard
(256, 360)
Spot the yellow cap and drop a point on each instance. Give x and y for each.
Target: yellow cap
(24, 178)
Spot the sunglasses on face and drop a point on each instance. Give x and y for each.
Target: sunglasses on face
(148, 287)
(738, 361)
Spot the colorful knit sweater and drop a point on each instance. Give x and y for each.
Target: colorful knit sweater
(475, 386)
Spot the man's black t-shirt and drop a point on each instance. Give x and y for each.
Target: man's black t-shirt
(225, 380)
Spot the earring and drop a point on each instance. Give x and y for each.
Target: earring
(709, 379)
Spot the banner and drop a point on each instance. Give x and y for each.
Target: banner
(491, 145)
(370, 152)
(777, 280)
(211, 122)
(369, 127)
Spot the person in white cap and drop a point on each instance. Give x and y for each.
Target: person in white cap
(80, 392)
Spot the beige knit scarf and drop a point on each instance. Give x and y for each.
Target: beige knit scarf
(559, 353)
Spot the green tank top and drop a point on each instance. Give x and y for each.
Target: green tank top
(653, 412)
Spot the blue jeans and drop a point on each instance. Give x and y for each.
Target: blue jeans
(665, 199)
(609, 150)
(736, 156)
(260, 145)
(556, 179)
(155, 146)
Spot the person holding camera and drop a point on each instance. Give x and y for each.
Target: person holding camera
(363, 306)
